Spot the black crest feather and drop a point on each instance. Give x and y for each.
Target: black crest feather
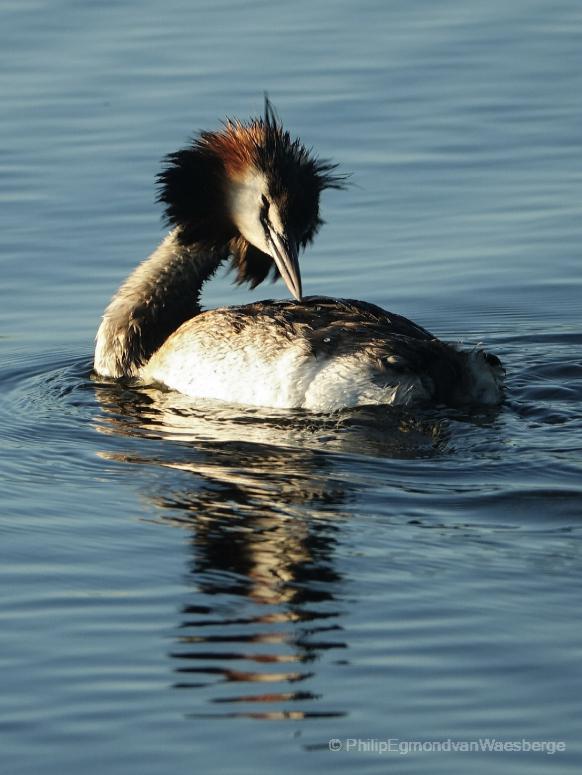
(191, 185)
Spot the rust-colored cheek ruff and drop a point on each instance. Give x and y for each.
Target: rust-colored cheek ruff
(237, 145)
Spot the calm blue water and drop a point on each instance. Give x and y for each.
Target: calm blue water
(193, 588)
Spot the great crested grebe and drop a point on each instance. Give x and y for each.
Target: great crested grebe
(250, 194)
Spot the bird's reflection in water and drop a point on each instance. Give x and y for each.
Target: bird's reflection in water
(265, 507)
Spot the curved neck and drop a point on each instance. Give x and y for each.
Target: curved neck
(154, 301)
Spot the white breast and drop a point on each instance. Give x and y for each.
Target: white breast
(291, 379)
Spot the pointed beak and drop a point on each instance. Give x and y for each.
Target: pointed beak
(284, 254)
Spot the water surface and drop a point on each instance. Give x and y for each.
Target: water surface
(196, 587)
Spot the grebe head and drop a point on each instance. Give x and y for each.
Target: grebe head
(251, 187)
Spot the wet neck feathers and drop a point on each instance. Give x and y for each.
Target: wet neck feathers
(154, 301)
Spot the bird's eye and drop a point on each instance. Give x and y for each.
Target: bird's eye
(264, 214)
